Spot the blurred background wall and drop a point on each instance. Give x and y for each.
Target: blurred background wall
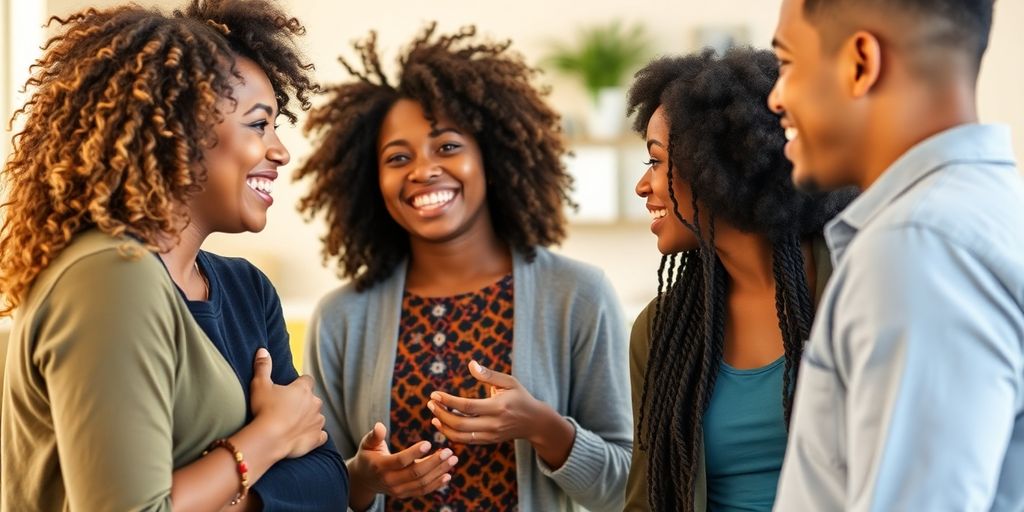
(611, 228)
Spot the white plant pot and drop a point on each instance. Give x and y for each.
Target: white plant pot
(607, 114)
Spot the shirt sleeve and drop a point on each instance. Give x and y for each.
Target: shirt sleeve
(317, 480)
(595, 472)
(929, 354)
(105, 348)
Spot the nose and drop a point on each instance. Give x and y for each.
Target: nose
(425, 170)
(277, 153)
(643, 187)
(775, 98)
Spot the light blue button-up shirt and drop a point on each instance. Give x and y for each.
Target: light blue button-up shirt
(911, 391)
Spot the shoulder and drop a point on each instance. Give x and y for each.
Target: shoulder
(559, 272)
(642, 331)
(969, 205)
(105, 265)
(109, 291)
(572, 291)
(344, 303)
(643, 325)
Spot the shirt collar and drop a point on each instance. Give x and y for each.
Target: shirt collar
(960, 144)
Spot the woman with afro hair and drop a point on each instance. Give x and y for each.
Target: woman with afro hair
(144, 373)
(714, 358)
(464, 367)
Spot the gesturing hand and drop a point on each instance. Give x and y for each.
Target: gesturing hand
(510, 412)
(410, 472)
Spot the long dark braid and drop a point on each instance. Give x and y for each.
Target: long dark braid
(793, 304)
(728, 147)
(686, 352)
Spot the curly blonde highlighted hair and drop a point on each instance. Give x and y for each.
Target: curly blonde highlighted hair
(124, 102)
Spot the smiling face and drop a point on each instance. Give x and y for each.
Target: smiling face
(824, 127)
(672, 235)
(431, 175)
(242, 166)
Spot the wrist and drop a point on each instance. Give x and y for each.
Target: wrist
(546, 418)
(360, 495)
(270, 438)
(554, 438)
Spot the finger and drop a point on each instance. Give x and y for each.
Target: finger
(408, 456)
(323, 438)
(418, 470)
(470, 406)
(461, 423)
(483, 374)
(471, 437)
(375, 438)
(431, 481)
(261, 365)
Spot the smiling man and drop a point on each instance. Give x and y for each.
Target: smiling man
(911, 391)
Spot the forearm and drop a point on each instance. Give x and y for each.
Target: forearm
(212, 481)
(553, 437)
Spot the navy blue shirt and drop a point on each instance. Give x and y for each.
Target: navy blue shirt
(242, 314)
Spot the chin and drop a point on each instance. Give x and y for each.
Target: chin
(254, 226)
(805, 181)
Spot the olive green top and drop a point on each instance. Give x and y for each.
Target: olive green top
(110, 385)
(639, 350)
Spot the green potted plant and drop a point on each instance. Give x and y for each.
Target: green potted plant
(602, 58)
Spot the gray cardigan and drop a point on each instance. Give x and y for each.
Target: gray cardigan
(569, 350)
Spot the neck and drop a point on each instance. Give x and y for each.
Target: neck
(897, 125)
(466, 263)
(180, 260)
(747, 258)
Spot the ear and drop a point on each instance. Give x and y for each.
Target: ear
(862, 56)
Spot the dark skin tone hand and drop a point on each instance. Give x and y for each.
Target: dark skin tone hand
(509, 413)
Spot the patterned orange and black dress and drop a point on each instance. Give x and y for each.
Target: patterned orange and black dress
(437, 339)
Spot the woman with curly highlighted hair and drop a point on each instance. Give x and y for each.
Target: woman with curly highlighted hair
(714, 358)
(145, 133)
(465, 367)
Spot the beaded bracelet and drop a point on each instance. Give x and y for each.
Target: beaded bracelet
(243, 470)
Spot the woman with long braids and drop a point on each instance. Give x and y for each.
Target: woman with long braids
(465, 367)
(714, 358)
(144, 373)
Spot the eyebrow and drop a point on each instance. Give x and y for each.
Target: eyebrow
(436, 132)
(433, 134)
(398, 142)
(261, 106)
(654, 142)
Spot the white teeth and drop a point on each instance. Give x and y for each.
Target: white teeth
(261, 185)
(657, 214)
(791, 133)
(432, 199)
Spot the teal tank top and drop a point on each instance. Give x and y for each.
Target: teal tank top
(745, 438)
